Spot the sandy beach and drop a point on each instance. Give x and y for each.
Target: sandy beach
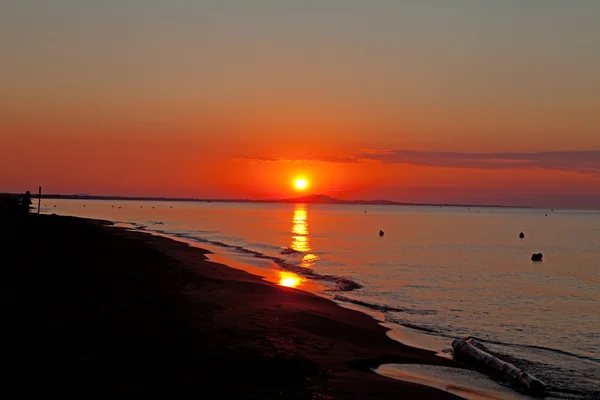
(91, 310)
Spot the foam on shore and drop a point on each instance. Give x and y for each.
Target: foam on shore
(468, 384)
(465, 383)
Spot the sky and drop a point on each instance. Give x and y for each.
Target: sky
(447, 101)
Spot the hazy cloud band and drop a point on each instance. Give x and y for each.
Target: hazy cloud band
(583, 162)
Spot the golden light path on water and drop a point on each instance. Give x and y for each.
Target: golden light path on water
(300, 238)
(300, 243)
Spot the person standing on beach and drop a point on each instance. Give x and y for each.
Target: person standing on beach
(26, 202)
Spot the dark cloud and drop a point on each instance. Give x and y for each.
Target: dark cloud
(585, 162)
(326, 159)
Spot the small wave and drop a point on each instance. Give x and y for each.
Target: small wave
(419, 328)
(383, 308)
(289, 251)
(531, 346)
(558, 379)
(342, 284)
(416, 286)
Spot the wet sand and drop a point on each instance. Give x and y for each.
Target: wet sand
(90, 310)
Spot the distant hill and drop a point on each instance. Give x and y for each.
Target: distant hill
(322, 199)
(313, 198)
(309, 199)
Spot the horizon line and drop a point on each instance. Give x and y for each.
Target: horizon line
(307, 198)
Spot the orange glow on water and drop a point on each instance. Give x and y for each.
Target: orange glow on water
(301, 238)
(289, 280)
(300, 230)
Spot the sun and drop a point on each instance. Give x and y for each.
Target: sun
(300, 183)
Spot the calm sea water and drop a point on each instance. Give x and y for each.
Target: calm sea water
(446, 272)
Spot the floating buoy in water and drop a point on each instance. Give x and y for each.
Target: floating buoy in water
(521, 235)
(380, 233)
(493, 366)
(537, 257)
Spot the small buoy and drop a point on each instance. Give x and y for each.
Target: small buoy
(537, 257)
(380, 233)
(521, 235)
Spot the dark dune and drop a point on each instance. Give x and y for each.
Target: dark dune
(90, 310)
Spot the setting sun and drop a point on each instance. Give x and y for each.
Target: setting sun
(301, 184)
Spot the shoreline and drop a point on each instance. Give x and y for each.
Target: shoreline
(463, 382)
(179, 323)
(325, 200)
(227, 255)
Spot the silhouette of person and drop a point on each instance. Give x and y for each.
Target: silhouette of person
(26, 202)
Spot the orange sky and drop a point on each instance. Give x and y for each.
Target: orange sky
(398, 101)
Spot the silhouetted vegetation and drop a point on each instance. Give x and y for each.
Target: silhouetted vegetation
(9, 203)
(12, 206)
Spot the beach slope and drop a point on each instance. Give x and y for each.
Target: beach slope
(90, 310)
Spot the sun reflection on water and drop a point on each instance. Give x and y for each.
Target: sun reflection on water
(288, 279)
(300, 238)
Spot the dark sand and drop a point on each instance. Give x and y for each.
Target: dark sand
(97, 311)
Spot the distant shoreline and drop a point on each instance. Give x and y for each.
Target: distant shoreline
(313, 199)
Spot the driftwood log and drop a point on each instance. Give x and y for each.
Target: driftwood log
(490, 365)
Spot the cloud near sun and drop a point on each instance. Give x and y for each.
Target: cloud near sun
(581, 162)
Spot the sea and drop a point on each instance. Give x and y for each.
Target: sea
(435, 274)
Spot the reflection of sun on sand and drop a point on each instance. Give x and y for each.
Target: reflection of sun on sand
(289, 280)
(264, 268)
(464, 383)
